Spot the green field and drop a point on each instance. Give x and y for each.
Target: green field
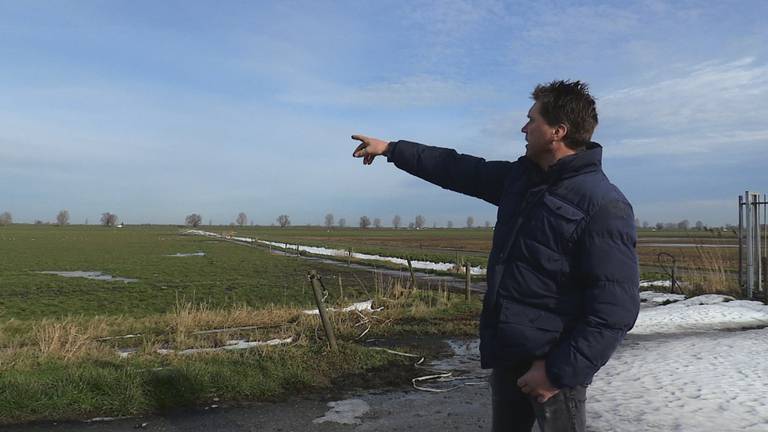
(228, 274)
(59, 358)
(60, 337)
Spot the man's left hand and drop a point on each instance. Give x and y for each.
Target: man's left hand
(536, 384)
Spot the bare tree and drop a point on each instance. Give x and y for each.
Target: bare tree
(62, 218)
(487, 224)
(396, 221)
(283, 220)
(377, 223)
(645, 224)
(342, 222)
(699, 225)
(6, 218)
(419, 222)
(194, 220)
(364, 222)
(470, 222)
(683, 224)
(242, 219)
(449, 224)
(329, 220)
(108, 219)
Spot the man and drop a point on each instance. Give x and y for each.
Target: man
(562, 272)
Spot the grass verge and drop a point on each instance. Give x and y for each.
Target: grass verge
(69, 369)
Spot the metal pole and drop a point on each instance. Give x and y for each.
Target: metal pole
(314, 278)
(741, 243)
(758, 253)
(750, 248)
(467, 269)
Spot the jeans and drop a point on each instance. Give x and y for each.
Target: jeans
(515, 411)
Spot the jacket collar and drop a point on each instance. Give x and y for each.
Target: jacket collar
(587, 160)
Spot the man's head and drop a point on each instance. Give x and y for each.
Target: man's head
(568, 103)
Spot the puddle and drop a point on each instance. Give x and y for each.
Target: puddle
(94, 275)
(187, 254)
(345, 412)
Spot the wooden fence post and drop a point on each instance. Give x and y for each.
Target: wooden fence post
(314, 278)
(413, 276)
(469, 278)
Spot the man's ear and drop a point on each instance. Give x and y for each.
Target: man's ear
(560, 131)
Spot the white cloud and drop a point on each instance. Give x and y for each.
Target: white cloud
(691, 144)
(413, 91)
(709, 96)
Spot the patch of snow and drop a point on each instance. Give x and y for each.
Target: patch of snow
(230, 345)
(95, 275)
(187, 254)
(424, 265)
(700, 382)
(126, 352)
(703, 313)
(345, 412)
(314, 250)
(656, 283)
(360, 307)
(659, 298)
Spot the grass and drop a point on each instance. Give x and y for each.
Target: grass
(65, 369)
(226, 275)
(59, 336)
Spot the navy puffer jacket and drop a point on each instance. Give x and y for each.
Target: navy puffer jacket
(562, 273)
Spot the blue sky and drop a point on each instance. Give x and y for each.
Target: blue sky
(154, 110)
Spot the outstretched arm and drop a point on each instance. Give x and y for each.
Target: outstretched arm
(446, 168)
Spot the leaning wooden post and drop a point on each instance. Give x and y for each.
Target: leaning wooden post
(341, 289)
(314, 278)
(467, 269)
(413, 276)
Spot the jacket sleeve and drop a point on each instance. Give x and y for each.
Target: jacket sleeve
(450, 170)
(607, 268)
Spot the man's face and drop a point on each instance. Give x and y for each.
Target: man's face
(538, 134)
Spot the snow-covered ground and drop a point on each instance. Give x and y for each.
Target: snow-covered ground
(685, 367)
(422, 265)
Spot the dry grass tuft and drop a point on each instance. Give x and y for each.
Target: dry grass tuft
(67, 338)
(710, 275)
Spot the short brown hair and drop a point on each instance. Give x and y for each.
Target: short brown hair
(569, 103)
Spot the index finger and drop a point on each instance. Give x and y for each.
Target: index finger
(362, 138)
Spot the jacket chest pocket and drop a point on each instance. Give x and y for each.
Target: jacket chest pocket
(553, 224)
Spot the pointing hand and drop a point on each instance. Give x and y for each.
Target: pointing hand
(369, 148)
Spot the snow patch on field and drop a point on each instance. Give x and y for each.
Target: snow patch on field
(360, 307)
(708, 382)
(94, 275)
(702, 313)
(315, 250)
(230, 345)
